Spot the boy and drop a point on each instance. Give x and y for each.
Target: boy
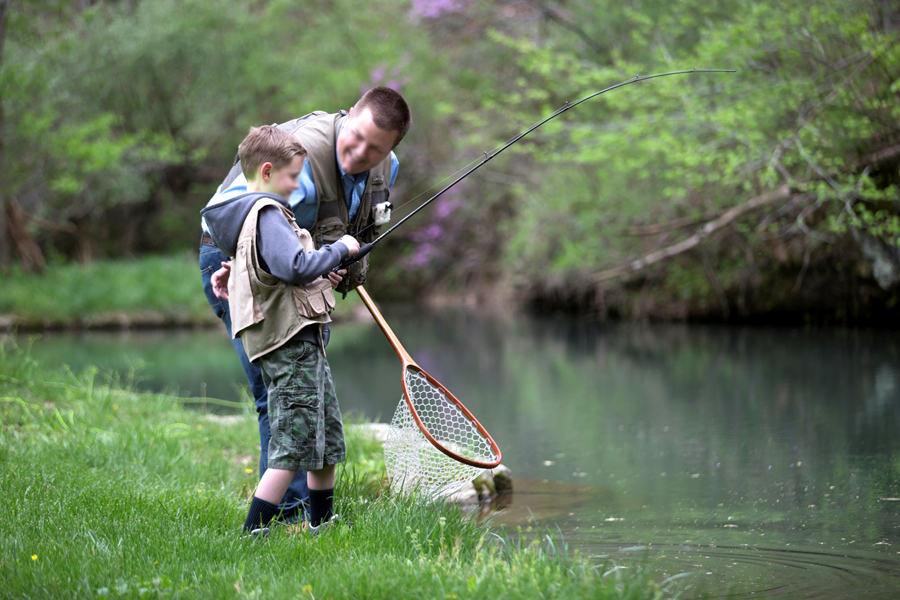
(279, 304)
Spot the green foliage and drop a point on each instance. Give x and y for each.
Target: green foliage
(124, 117)
(813, 96)
(142, 104)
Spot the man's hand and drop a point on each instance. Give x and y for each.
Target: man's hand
(335, 278)
(351, 243)
(219, 281)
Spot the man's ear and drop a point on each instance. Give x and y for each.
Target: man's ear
(265, 171)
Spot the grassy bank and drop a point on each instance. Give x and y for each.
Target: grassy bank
(150, 291)
(112, 494)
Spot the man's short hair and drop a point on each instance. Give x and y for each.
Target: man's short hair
(268, 144)
(389, 110)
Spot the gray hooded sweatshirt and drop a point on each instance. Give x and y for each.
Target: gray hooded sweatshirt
(280, 252)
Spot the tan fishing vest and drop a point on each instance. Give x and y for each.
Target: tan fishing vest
(266, 312)
(319, 136)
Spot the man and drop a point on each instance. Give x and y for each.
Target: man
(343, 189)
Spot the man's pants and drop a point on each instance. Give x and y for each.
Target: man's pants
(211, 259)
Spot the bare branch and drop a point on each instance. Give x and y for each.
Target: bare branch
(642, 230)
(782, 193)
(799, 281)
(51, 225)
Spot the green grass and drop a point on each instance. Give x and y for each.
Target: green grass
(107, 493)
(150, 290)
(156, 287)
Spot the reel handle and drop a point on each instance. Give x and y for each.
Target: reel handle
(364, 249)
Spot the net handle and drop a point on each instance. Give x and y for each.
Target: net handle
(405, 358)
(409, 363)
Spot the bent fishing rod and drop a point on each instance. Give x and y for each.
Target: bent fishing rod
(366, 248)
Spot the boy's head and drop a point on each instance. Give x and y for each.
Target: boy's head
(271, 160)
(377, 123)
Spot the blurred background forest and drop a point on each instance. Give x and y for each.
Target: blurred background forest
(768, 195)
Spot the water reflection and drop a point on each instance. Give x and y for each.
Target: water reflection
(763, 460)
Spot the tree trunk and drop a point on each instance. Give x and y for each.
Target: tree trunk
(84, 240)
(4, 230)
(29, 252)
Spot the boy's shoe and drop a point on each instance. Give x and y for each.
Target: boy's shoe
(332, 522)
(256, 534)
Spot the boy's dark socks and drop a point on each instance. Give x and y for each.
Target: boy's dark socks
(260, 514)
(321, 504)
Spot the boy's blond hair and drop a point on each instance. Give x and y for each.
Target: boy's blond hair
(268, 144)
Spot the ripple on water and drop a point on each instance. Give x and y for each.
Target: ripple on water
(732, 571)
(744, 572)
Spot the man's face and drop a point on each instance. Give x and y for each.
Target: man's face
(283, 181)
(361, 144)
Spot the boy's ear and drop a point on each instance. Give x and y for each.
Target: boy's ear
(265, 171)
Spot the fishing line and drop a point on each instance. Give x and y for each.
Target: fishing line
(438, 183)
(366, 248)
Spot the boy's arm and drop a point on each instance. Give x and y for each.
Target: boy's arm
(283, 256)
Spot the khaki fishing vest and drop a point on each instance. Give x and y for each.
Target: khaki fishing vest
(319, 136)
(266, 312)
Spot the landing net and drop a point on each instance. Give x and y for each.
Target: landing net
(413, 462)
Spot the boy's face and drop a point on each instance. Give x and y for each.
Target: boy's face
(361, 144)
(283, 181)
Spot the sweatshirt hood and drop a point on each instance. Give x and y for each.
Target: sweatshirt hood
(226, 219)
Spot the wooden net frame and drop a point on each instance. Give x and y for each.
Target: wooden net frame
(434, 445)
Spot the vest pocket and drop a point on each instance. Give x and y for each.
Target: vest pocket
(314, 299)
(329, 231)
(380, 196)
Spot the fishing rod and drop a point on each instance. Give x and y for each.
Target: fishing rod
(366, 248)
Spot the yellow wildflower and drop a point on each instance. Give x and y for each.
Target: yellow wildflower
(34, 557)
(248, 470)
(307, 589)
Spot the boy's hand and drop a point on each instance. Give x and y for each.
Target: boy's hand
(335, 278)
(351, 243)
(219, 281)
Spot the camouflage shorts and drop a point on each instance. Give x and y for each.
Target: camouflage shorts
(304, 415)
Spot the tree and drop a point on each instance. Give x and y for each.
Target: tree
(814, 108)
(4, 234)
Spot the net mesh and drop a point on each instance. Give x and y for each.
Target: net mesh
(414, 463)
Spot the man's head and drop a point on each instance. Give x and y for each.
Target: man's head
(374, 127)
(271, 160)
